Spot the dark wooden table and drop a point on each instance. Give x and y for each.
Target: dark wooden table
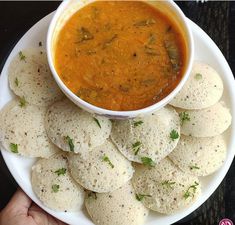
(216, 18)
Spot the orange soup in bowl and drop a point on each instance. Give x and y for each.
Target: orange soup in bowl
(120, 55)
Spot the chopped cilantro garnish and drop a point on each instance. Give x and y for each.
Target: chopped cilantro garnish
(136, 147)
(168, 184)
(106, 159)
(22, 102)
(194, 167)
(140, 197)
(137, 123)
(184, 117)
(174, 135)
(61, 171)
(55, 188)
(16, 82)
(70, 143)
(22, 57)
(98, 122)
(198, 76)
(191, 190)
(147, 161)
(14, 148)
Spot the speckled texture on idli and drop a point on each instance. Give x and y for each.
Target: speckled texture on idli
(73, 129)
(165, 188)
(54, 186)
(22, 130)
(207, 122)
(30, 77)
(101, 170)
(147, 136)
(199, 156)
(203, 89)
(119, 207)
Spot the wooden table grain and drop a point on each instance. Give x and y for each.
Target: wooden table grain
(217, 19)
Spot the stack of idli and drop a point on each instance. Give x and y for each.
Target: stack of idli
(202, 147)
(22, 128)
(122, 168)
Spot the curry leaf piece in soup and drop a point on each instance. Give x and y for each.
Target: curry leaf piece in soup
(173, 54)
(85, 34)
(151, 39)
(110, 41)
(150, 51)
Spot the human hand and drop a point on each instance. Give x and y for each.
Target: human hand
(22, 211)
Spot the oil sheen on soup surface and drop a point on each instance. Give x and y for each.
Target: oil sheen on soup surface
(120, 55)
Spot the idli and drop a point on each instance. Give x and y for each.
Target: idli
(199, 156)
(151, 137)
(22, 130)
(103, 169)
(54, 186)
(165, 188)
(203, 89)
(206, 122)
(119, 207)
(75, 130)
(30, 78)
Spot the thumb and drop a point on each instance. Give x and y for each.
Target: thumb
(19, 203)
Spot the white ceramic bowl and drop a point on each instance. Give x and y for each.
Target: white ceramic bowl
(69, 7)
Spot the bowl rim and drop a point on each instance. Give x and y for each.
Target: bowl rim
(129, 113)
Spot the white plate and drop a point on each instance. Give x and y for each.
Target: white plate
(205, 50)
